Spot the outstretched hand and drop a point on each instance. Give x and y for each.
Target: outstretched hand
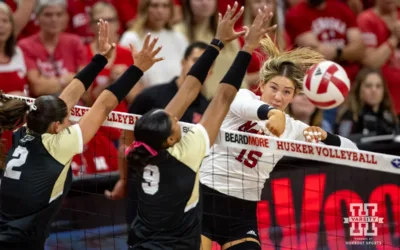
(105, 48)
(146, 58)
(259, 28)
(225, 30)
(314, 134)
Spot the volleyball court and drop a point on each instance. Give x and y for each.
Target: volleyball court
(318, 197)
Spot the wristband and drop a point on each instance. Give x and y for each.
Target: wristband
(332, 140)
(126, 82)
(89, 73)
(263, 111)
(238, 70)
(202, 66)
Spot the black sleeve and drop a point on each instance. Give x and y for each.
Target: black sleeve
(142, 104)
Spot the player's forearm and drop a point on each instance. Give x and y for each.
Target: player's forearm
(250, 109)
(353, 52)
(122, 167)
(338, 141)
(83, 80)
(191, 86)
(226, 93)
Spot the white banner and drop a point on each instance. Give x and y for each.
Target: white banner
(267, 144)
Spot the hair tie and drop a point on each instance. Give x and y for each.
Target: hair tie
(32, 106)
(137, 144)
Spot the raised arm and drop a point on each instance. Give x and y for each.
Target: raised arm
(199, 71)
(245, 106)
(82, 81)
(317, 134)
(115, 93)
(230, 84)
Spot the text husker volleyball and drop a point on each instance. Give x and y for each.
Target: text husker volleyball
(301, 148)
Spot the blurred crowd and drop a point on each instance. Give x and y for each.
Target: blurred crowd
(45, 42)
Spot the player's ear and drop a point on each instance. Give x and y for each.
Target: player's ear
(261, 86)
(58, 127)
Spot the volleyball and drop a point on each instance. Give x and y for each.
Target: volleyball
(326, 85)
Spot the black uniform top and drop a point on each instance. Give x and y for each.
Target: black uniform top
(169, 210)
(36, 178)
(369, 123)
(158, 97)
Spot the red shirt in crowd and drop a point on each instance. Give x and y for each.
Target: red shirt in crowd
(69, 55)
(13, 78)
(99, 155)
(79, 19)
(329, 24)
(375, 32)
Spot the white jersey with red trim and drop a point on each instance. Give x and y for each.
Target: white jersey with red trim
(240, 172)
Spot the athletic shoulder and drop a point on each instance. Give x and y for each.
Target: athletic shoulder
(192, 148)
(65, 144)
(247, 94)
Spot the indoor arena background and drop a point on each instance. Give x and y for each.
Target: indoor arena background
(305, 202)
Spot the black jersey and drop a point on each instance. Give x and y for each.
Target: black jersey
(36, 178)
(169, 210)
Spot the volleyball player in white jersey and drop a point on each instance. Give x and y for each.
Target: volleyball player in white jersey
(233, 179)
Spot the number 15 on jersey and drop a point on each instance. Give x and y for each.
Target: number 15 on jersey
(249, 157)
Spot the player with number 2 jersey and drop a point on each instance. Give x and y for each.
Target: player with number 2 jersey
(37, 172)
(232, 179)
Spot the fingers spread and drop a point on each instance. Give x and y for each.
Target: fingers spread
(228, 10)
(146, 41)
(153, 43)
(155, 52)
(238, 15)
(159, 59)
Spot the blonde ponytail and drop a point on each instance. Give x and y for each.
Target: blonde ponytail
(292, 64)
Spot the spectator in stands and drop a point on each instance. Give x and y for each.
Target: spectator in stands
(279, 35)
(12, 63)
(120, 60)
(330, 27)
(24, 17)
(158, 97)
(368, 110)
(355, 5)
(155, 16)
(380, 27)
(200, 24)
(52, 57)
(79, 16)
(303, 110)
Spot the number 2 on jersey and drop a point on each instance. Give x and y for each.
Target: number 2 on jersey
(20, 154)
(251, 159)
(151, 176)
